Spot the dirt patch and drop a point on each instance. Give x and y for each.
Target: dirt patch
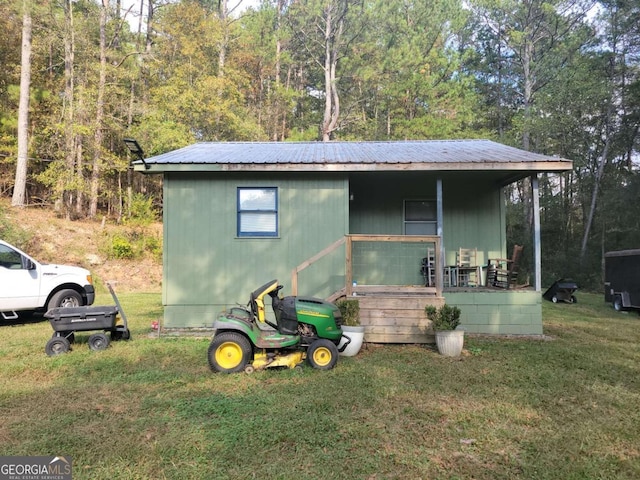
(81, 242)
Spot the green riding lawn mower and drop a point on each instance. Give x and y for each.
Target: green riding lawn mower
(306, 328)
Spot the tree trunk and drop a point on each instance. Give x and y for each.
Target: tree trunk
(278, 110)
(65, 201)
(332, 38)
(528, 92)
(98, 134)
(224, 42)
(20, 185)
(596, 183)
(328, 94)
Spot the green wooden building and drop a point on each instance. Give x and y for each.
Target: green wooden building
(344, 218)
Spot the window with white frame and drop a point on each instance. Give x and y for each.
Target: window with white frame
(257, 212)
(420, 217)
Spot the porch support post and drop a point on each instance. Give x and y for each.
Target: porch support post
(537, 259)
(439, 230)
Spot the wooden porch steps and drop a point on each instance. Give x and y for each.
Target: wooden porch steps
(395, 314)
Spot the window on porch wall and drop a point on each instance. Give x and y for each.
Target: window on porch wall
(420, 217)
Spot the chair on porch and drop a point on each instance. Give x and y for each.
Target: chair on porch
(468, 272)
(428, 270)
(503, 272)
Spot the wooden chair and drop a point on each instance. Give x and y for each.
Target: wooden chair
(428, 268)
(503, 272)
(468, 272)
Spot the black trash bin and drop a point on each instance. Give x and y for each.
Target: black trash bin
(561, 291)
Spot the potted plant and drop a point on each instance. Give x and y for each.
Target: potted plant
(445, 320)
(352, 331)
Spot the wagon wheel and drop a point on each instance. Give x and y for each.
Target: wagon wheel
(120, 333)
(56, 346)
(98, 341)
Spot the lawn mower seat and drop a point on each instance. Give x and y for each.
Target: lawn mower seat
(253, 305)
(286, 315)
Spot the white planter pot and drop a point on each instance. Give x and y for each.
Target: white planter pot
(450, 342)
(356, 335)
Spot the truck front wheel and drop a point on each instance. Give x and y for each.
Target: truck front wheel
(65, 298)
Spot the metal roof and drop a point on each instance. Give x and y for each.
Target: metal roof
(436, 155)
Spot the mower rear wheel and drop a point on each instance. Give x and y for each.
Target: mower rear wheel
(322, 354)
(229, 352)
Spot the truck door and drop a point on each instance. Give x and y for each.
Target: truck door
(19, 281)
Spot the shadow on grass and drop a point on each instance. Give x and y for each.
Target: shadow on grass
(24, 319)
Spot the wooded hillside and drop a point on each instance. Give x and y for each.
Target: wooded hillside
(555, 77)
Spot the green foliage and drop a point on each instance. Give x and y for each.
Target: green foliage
(141, 211)
(121, 248)
(132, 243)
(350, 310)
(446, 317)
(12, 233)
(153, 245)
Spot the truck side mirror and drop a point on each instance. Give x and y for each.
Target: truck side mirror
(29, 265)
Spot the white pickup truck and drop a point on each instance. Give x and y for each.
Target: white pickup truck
(27, 285)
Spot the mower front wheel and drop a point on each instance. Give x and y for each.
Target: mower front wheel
(322, 354)
(229, 352)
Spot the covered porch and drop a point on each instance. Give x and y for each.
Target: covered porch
(383, 272)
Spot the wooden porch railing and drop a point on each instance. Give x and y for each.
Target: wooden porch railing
(350, 239)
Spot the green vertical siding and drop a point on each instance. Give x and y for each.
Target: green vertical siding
(387, 263)
(517, 312)
(473, 218)
(207, 267)
(473, 209)
(378, 200)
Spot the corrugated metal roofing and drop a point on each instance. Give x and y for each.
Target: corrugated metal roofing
(437, 153)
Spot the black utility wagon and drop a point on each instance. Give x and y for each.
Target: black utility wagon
(561, 291)
(66, 321)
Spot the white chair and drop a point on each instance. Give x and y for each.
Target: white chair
(468, 272)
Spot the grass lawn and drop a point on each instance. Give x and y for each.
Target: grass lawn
(566, 407)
